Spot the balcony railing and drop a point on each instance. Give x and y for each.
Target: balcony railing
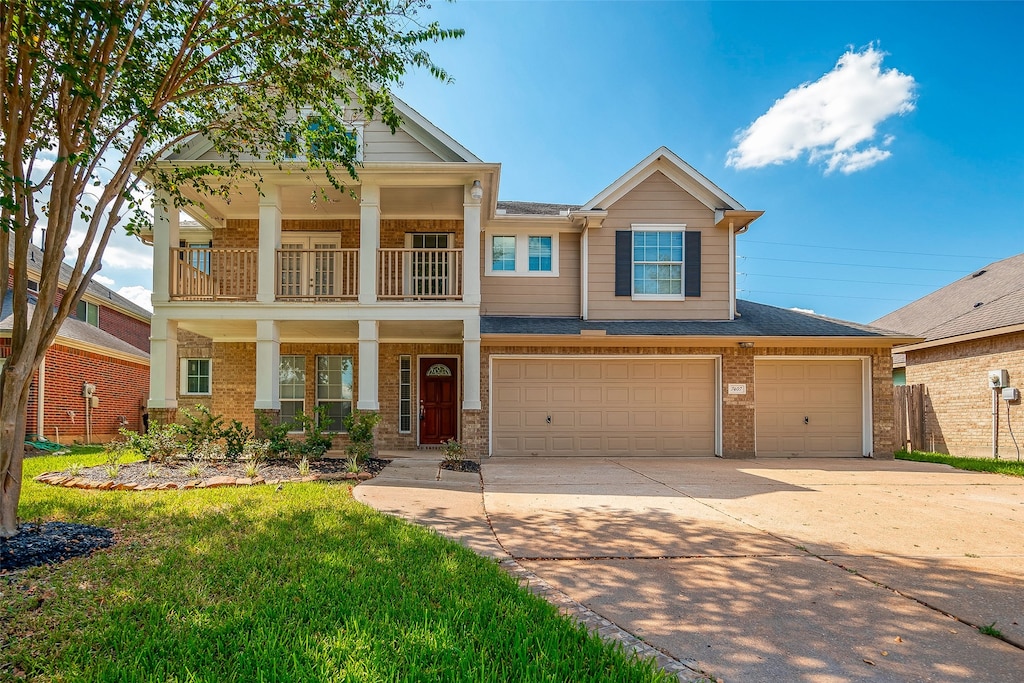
(419, 274)
(317, 274)
(205, 274)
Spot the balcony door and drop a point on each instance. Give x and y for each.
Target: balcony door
(430, 266)
(309, 266)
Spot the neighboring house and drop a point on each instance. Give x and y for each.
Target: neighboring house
(606, 328)
(105, 344)
(970, 328)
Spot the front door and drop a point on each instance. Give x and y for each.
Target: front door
(439, 398)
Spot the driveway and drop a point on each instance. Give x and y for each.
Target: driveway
(767, 570)
(785, 570)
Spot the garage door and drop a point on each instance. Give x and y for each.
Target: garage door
(808, 408)
(601, 406)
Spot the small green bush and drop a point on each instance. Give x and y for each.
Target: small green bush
(275, 435)
(360, 426)
(453, 451)
(235, 438)
(200, 427)
(316, 442)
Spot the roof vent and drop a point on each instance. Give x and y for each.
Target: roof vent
(978, 304)
(978, 274)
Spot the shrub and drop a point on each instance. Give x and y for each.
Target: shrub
(201, 426)
(360, 426)
(453, 451)
(316, 442)
(275, 435)
(235, 438)
(255, 450)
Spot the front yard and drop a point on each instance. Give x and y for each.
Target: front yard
(297, 582)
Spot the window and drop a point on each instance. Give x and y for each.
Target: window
(88, 312)
(334, 389)
(200, 259)
(540, 254)
(319, 137)
(658, 263)
(523, 255)
(404, 394)
(292, 386)
(195, 376)
(503, 253)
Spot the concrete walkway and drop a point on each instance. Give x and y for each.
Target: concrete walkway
(781, 570)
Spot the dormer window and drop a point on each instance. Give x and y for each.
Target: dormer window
(318, 136)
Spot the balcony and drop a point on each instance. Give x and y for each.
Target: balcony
(218, 274)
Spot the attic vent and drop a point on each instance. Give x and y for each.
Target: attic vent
(978, 274)
(978, 304)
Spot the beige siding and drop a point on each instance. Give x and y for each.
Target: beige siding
(545, 296)
(380, 145)
(658, 200)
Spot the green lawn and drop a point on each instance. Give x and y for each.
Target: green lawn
(255, 584)
(1013, 467)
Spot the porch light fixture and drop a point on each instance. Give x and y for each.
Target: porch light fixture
(477, 191)
(746, 345)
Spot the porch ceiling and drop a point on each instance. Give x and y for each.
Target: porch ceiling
(298, 331)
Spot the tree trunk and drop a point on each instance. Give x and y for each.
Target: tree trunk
(12, 449)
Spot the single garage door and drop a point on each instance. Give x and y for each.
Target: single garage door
(812, 408)
(602, 406)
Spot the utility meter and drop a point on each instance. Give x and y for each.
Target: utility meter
(1011, 394)
(88, 389)
(997, 379)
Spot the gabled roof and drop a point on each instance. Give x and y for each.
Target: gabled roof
(413, 123)
(755, 320)
(97, 291)
(687, 177)
(77, 333)
(988, 299)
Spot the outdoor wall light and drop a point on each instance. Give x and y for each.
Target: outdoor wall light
(746, 345)
(477, 191)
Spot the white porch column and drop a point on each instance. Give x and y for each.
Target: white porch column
(269, 243)
(163, 363)
(471, 363)
(268, 363)
(471, 249)
(165, 236)
(369, 242)
(368, 361)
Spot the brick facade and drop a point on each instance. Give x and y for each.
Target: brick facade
(958, 402)
(125, 327)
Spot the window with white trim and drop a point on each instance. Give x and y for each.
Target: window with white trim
(195, 376)
(658, 262)
(292, 386)
(531, 254)
(404, 394)
(334, 389)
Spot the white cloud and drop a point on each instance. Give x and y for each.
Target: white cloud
(830, 119)
(803, 310)
(103, 280)
(122, 252)
(138, 295)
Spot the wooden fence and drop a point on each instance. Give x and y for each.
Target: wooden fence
(908, 405)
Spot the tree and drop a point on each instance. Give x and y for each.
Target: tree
(93, 92)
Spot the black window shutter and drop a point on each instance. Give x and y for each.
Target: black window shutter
(623, 263)
(691, 263)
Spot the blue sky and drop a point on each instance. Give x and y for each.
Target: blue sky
(567, 96)
(908, 161)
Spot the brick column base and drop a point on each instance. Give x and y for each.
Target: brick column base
(274, 416)
(162, 416)
(473, 437)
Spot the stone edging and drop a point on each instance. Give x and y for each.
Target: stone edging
(70, 482)
(685, 670)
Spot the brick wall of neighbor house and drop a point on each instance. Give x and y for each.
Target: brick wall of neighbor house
(958, 402)
(125, 327)
(737, 368)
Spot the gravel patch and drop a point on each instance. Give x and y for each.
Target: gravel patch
(49, 543)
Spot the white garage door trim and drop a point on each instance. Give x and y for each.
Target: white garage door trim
(867, 419)
(539, 356)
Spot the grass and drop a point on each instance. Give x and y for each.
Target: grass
(259, 584)
(1014, 468)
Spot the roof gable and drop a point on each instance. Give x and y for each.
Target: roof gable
(988, 299)
(675, 169)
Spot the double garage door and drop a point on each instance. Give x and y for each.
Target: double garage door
(602, 406)
(668, 407)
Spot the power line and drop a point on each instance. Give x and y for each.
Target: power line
(852, 265)
(827, 279)
(873, 251)
(827, 296)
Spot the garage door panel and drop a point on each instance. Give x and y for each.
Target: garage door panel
(827, 392)
(604, 406)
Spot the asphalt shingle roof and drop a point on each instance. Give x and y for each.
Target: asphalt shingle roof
(756, 320)
(535, 208)
(73, 329)
(988, 299)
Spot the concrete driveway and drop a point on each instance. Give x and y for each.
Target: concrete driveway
(781, 570)
(767, 570)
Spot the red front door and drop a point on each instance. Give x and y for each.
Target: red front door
(439, 397)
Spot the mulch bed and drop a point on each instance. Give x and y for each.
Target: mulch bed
(461, 466)
(50, 543)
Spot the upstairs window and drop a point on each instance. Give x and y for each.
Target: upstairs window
(88, 312)
(658, 262)
(503, 253)
(320, 137)
(528, 254)
(540, 254)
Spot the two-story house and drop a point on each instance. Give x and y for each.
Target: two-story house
(104, 344)
(606, 328)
